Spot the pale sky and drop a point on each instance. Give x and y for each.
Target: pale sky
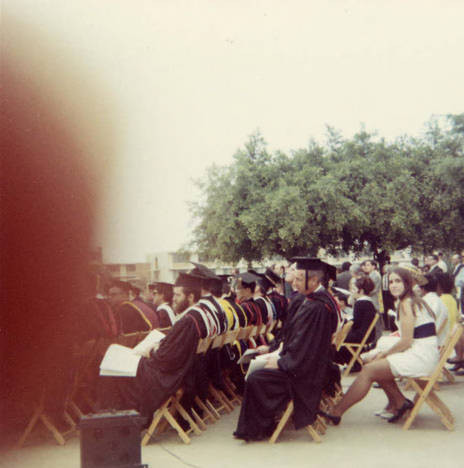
(190, 80)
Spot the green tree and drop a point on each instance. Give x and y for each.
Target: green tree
(348, 195)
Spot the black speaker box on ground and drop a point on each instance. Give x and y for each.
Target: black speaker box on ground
(111, 440)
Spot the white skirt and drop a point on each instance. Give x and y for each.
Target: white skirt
(417, 361)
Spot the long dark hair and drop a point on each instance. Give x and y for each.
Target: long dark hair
(408, 293)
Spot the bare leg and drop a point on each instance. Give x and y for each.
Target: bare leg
(394, 395)
(390, 405)
(375, 371)
(459, 348)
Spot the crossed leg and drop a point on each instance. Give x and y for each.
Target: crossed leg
(377, 371)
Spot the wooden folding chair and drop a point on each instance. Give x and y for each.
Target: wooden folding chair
(224, 404)
(314, 430)
(91, 354)
(167, 412)
(39, 414)
(234, 399)
(356, 348)
(340, 336)
(424, 386)
(209, 411)
(245, 332)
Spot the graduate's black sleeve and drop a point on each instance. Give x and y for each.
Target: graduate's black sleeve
(177, 347)
(310, 337)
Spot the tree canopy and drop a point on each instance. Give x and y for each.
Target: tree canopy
(344, 195)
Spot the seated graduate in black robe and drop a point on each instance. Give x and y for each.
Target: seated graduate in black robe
(279, 300)
(162, 300)
(167, 368)
(134, 315)
(245, 289)
(301, 370)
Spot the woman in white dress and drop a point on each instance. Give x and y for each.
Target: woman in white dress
(415, 354)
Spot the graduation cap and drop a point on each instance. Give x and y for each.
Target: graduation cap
(189, 281)
(126, 287)
(247, 278)
(202, 270)
(210, 279)
(160, 283)
(163, 288)
(263, 281)
(272, 277)
(225, 279)
(315, 264)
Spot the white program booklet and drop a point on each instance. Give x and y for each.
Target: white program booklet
(119, 361)
(248, 355)
(151, 341)
(260, 361)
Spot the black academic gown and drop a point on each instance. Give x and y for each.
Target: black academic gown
(293, 306)
(302, 374)
(158, 376)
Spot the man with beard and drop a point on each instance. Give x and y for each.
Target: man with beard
(302, 368)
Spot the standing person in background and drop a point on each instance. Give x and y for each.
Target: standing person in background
(344, 277)
(431, 261)
(441, 262)
(458, 276)
(387, 299)
(369, 267)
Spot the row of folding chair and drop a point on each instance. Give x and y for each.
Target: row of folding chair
(86, 358)
(217, 401)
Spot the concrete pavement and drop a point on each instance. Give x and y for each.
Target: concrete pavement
(361, 440)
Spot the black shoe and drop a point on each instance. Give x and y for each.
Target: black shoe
(454, 361)
(457, 366)
(407, 405)
(335, 420)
